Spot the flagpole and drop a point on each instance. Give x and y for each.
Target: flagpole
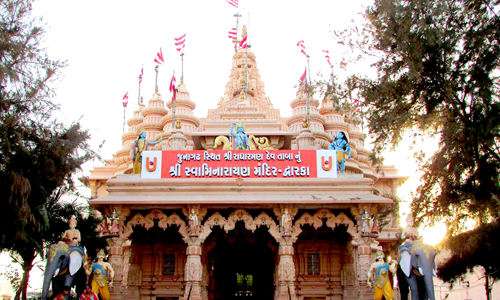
(173, 114)
(182, 67)
(246, 69)
(173, 107)
(237, 15)
(139, 95)
(308, 117)
(156, 79)
(124, 108)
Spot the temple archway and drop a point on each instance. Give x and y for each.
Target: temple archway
(240, 255)
(240, 263)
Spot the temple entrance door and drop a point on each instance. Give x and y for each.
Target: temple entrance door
(242, 264)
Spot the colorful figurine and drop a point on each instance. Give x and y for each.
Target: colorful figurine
(381, 270)
(140, 144)
(341, 145)
(240, 139)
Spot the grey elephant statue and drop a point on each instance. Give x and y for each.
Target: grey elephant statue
(418, 265)
(64, 268)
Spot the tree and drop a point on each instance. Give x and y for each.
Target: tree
(38, 154)
(437, 68)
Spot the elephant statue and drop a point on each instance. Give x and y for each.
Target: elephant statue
(419, 268)
(64, 268)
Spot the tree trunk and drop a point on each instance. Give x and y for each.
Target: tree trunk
(487, 286)
(22, 291)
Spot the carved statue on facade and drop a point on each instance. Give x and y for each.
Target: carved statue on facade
(286, 223)
(240, 138)
(140, 144)
(341, 145)
(115, 223)
(381, 271)
(194, 222)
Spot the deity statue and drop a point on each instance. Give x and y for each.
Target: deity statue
(240, 138)
(115, 223)
(286, 222)
(367, 222)
(72, 236)
(341, 145)
(381, 271)
(140, 144)
(193, 223)
(103, 275)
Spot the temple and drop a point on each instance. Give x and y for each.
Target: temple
(187, 229)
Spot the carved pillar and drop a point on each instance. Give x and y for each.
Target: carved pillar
(365, 244)
(349, 280)
(116, 249)
(115, 259)
(193, 270)
(285, 289)
(285, 286)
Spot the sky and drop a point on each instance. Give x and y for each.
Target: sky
(106, 43)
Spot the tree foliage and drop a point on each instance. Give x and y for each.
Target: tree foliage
(38, 154)
(437, 75)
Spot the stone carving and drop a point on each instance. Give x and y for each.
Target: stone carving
(286, 269)
(115, 223)
(306, 218)
(194, 223)
(239, 215)
(286, 223)
(148, 222)
(316, 221)
(264, 219)
(342, 219)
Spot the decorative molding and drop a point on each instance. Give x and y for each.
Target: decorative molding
(239, 215)
(156, 214)
(148, 222)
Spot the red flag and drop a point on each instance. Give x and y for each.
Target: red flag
(140, 76)
(327, 55)
(303, 77)
(125, 100)
(232, 34)
(172, 87)
(243, 43)
(301, 44)
(160, 58)
(233, 3)
(180, 42)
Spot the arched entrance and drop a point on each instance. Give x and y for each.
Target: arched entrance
(241, 263)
